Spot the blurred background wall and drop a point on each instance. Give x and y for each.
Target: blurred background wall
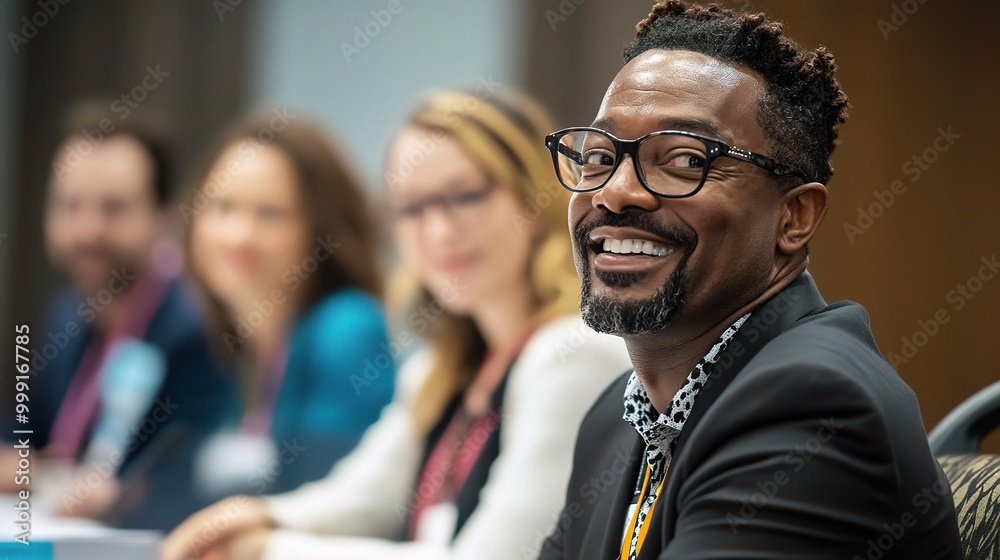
(9, 98)
(914, 201)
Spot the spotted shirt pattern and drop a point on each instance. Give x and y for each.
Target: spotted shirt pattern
(660, 431)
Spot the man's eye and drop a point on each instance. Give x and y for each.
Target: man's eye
(686, 161)
(598, 157)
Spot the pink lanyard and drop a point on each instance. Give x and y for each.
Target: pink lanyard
(81, 405)
(458, 451)
(257, 421)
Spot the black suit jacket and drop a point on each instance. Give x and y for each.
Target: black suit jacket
(804, 444)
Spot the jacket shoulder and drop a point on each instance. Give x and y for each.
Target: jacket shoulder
(604, 418)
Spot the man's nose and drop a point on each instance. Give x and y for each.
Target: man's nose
(88, 225)
(623, 191)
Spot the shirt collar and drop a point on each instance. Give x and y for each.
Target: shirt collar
(660, 430)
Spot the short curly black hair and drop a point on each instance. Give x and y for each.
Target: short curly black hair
(802, 106)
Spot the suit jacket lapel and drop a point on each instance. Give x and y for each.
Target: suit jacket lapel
(773, 317)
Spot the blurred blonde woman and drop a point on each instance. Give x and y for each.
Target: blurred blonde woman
(471, 459)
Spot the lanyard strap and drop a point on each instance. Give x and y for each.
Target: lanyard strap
(81, 405)
(634, 519)
(258, 417)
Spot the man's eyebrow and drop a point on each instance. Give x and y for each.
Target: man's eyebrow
(603, 124)
(695, 125)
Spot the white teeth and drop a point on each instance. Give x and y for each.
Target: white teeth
(662, 251)
(635, 246)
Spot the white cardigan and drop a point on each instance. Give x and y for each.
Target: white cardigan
(354, 510)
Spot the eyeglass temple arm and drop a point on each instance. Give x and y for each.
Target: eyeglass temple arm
(764, 162)
(569, 152)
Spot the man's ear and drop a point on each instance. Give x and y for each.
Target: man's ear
(802, 210)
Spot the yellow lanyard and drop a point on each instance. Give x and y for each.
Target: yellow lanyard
(627, 541)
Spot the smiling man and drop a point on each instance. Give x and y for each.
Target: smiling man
(760, 421)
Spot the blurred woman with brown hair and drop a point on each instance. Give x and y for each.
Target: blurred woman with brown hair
(471, 459)
(280, 241)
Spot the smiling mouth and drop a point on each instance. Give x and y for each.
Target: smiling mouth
(620, 243)
(629, 250)
(631, 246)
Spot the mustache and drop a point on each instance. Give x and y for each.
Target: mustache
(90, 250)
(682, 236)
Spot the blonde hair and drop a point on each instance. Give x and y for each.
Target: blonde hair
(503, 133)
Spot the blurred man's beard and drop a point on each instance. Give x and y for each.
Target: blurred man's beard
(105, 278)
(628, 316)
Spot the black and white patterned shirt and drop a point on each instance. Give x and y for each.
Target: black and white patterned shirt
(660, 431)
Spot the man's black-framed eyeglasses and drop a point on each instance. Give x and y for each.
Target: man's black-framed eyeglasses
(669, 163)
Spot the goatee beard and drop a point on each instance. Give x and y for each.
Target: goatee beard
(623, 316)
(631, 317)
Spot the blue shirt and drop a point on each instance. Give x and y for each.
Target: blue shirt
(340, 373)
